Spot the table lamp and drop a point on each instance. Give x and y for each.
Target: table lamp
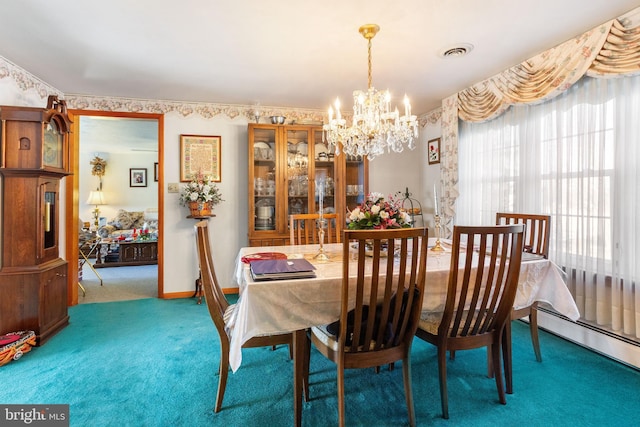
(96, 198)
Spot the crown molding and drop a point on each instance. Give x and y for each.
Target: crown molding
(26, 81)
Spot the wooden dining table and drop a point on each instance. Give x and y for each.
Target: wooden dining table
(282, 306)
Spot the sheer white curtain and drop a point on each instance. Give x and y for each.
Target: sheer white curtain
(577, 158)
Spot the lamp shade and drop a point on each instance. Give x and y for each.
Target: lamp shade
(96, 198)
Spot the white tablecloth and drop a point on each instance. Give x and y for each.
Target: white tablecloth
(288, 305)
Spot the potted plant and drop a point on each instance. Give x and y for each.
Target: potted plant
(200, 195)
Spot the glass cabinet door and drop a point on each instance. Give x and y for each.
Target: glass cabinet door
(355, 181)
(264, 178)
(298, 171)
(324, 175)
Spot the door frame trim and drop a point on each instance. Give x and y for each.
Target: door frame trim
(72, 197)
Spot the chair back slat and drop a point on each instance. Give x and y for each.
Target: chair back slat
(381, 306)
(481, 293)
(303, 229)
(537, 231)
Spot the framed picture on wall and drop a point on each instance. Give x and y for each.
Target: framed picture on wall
(200, 154)
(137, 177)
(155, 172)
(433, 151)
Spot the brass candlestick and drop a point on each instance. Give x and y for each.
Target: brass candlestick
(321, 255)
(438, 247)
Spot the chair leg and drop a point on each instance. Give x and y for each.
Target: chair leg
(406, 373)
(273, 348)
(533, 327)
(442, 375)
(340, 368)
(495, 353)
(490, 371)
(305, 368)
(507, 357)
(223, 372)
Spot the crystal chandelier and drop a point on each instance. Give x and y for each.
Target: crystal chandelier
(374, 127)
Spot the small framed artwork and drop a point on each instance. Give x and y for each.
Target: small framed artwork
(200, 154)
(137, 177)
(155, 172)
(433, 151)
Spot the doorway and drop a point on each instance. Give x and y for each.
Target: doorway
(82, 181)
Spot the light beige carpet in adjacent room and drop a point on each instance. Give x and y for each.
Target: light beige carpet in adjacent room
(119, 284)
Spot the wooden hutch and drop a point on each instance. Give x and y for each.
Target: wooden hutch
(34, 156)
(285, 163)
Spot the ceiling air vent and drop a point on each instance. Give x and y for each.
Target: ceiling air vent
(457, 50)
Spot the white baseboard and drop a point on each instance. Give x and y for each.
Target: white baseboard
(612, 347)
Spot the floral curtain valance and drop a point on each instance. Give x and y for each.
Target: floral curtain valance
(621, 51)
(609, 50)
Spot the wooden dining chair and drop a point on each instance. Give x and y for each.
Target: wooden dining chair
(222, 312)
(303, 229)
(379, 308)
(479, 300)
(536, 241)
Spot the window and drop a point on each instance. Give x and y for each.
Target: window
(575, 157)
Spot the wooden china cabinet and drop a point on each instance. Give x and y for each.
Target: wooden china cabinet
(34, 156)
(286, 162)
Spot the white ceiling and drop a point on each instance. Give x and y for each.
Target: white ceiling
(117, 135)
(285, 53)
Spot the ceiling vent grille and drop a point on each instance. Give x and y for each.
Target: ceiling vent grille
(457, 51)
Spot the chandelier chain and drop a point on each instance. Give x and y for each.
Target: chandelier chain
(370, 78)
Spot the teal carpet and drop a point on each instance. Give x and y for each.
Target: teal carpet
(153, 362)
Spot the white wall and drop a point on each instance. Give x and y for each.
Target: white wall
(12, 94)
(115, 184)
(430, 173)
(395, 172)
(229, 227)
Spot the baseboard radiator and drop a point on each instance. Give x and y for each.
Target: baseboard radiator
(609, 344)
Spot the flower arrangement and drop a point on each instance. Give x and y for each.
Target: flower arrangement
(200, 190)
(377, 214)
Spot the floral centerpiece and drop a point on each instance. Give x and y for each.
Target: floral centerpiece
(200, 195)
(376, 213)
